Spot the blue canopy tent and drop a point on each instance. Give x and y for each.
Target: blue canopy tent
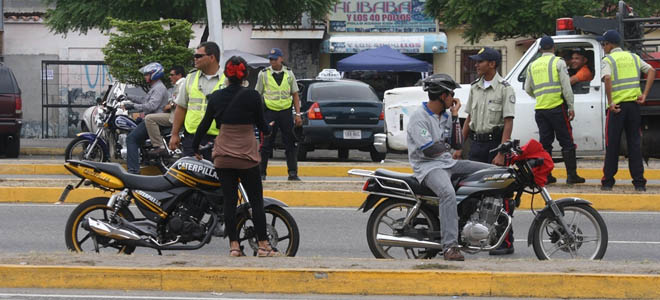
(382, 59)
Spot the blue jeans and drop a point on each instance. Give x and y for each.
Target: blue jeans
(133, 142)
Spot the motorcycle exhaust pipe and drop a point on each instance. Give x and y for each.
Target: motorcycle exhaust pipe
(405, 241)
(110, 231)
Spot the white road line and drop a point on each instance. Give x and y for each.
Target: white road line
(73, 296)
(612, 242)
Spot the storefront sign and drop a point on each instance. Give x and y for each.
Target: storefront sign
(380, 16)
(429, 43)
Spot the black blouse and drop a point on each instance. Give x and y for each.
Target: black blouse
(248, 108)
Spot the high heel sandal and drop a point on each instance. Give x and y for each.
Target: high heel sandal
(272, 252)
(232, 253)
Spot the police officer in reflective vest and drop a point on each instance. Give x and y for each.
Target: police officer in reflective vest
(278, 86)
(620, 71)
(490, 108)
(191, 101)
(548, 81)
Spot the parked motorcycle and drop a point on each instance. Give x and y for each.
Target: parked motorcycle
(108, 143)
(406, 224)
(180, 207)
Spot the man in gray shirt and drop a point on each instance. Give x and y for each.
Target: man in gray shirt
(432, 134)
(153, 102)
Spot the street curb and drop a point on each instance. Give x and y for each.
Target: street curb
(304, 171)
(335, 281)
(310, 198)
(41, 151)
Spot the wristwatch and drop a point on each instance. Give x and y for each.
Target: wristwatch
(298, 114)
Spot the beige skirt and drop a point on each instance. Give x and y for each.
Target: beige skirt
(236, 147)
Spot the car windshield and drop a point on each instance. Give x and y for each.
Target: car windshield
(325, 91)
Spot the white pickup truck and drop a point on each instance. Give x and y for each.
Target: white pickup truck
(590, 100)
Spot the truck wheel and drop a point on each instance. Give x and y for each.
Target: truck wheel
(376, 156)
(13, 146)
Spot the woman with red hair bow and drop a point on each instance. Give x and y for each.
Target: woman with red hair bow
(236, 110)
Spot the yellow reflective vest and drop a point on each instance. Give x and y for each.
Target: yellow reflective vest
(277, 97)
(197, 105)
(625, 76)
(545, 82)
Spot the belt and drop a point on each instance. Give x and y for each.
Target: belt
(485, 137)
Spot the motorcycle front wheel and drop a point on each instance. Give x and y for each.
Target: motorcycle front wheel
(281, 230)
(550, 240)
(79, 146)
(79, 239)
(388, 219)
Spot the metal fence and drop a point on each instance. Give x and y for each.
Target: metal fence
(67, 89)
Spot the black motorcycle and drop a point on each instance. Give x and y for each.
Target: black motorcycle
(108, 143)
(181, 210)
(405, 224)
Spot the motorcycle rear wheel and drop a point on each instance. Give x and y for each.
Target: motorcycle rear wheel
(79, 239)
(77, 148)
(390, 213)
(549, 238)
(282, 234)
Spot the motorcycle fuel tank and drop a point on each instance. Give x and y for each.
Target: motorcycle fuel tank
(124, 123)
(194, 173)
(488, 179)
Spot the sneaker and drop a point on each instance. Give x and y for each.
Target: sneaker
(551, 179)
(640, 188)
(453, 254)
(606, 188)
(294, 178)
(501, 250)
(573, 179)
(158, 152)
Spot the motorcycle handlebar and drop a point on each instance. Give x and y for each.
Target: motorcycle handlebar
(507, 147)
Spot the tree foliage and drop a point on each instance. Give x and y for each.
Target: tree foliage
(135, 44)
(510, 19)
(83, 15)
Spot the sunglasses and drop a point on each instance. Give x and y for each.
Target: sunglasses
(199, 55)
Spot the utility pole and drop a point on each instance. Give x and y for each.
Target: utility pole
(214, 16)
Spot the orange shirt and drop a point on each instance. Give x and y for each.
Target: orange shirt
(584, 74)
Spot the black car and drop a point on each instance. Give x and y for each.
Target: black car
(339, 114)
(11, 113)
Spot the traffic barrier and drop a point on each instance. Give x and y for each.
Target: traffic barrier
(336, 281)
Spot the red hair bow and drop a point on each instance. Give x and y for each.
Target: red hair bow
(233, 70)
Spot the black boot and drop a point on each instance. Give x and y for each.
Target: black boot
(551, 179)
(571, 167)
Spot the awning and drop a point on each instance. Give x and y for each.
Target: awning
(427, 43)
(288, 34)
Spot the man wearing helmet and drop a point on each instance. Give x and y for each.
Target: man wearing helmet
(432, 133)
(153, 102)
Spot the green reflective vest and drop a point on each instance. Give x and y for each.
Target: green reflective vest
(545, 82)
(277, 97)
(625, 76)
(197, 105)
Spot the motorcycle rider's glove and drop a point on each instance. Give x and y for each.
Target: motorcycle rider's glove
(128, 104)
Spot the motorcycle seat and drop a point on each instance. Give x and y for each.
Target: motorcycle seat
(416, 186)
(133, 181)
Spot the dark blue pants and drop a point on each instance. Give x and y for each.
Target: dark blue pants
(630, 121)
(480, 151)
(284, 122)
(133, 142)
(553, 123)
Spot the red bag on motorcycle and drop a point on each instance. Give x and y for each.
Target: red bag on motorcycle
(534, 149)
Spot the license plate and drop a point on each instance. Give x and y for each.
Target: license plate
(352, 134)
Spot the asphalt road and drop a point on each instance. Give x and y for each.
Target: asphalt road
(325, 232)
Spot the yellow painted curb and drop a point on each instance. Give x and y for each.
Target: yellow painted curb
(335, 281)
(614, 202)
(305, 171)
